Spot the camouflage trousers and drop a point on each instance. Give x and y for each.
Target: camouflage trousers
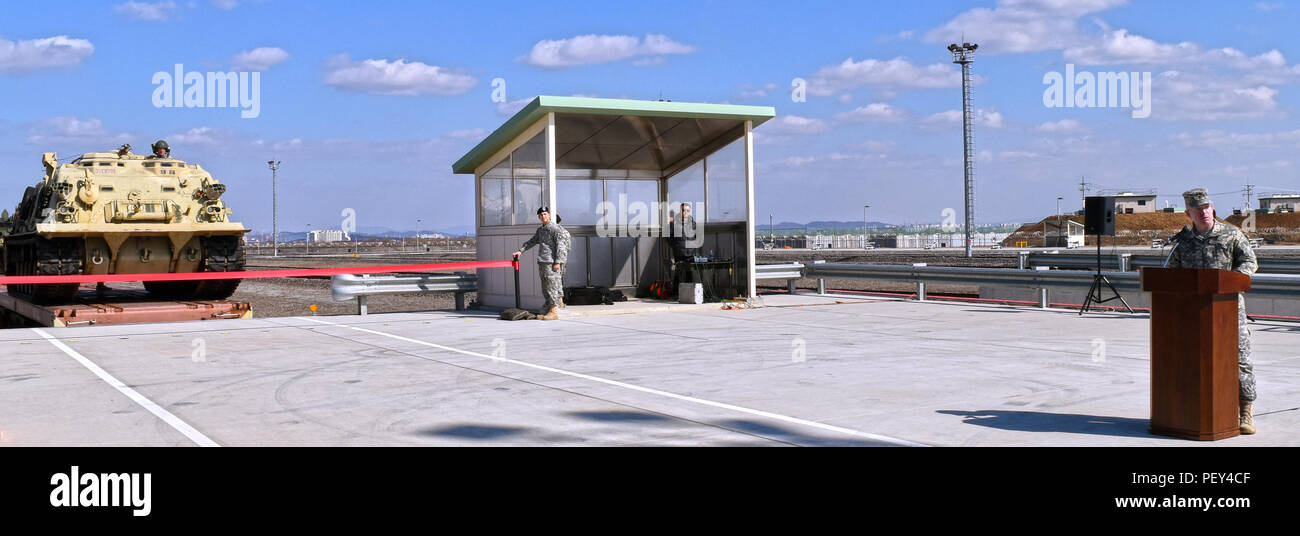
(1245, 370)
(552, 284)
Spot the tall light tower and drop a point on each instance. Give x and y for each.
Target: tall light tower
(275, 221)
(964, 55)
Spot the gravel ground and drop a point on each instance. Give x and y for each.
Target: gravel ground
(295, 296)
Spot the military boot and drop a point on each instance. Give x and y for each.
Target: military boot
(1247, 418)
(549, 314)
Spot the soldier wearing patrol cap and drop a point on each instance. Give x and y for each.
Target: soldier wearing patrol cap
(552, 243)
(1208, 243)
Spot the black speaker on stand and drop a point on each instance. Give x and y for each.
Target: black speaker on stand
(1099, 221)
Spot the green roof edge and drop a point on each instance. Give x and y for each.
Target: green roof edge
(544, 104)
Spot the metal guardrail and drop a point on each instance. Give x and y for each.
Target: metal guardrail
(358, 287)
(790, 272)
(1133, 262)
(1262, 285)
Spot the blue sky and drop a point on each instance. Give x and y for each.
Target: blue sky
(368, 105)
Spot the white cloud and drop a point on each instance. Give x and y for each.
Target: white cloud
(1232, 142)
(67, 129)
(900, 36)
(510, 107)
(1256, 167)
(1062, 126)
(35, 54)
(594, 49)
(155, 11)
(1267, 6)
(1123, 48)
(1187, 96)
(873, 146)
(467, 134)
(197, 136)
(748, 91)
(897, 73)
(986, 117)
(399, 77)
(794, 124)
(1018, 155)
(1020, 25)
(225, 4)
(878, 112)
(258, 59)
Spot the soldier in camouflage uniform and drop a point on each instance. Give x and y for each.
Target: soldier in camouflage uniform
(564, 266)
(1213, 244)
(552, 253)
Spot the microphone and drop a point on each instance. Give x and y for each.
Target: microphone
(1174, 241)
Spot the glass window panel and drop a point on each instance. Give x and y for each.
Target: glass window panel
(687, 187)
(496, 201)
(495, 192)
(637, 202)
(579, 201)
(528, 197)
(530, 158)
(727, 183)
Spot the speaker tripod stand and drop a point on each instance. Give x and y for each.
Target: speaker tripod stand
(1095, 292)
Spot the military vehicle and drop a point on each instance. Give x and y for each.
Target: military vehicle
(123, 213)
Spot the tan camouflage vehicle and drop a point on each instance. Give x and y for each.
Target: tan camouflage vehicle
(123, 213)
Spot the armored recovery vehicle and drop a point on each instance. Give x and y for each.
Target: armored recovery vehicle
(122, 213)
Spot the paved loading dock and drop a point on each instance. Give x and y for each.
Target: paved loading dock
(870, 373)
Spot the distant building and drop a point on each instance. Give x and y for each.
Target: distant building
(328, 235)
(1135, 202)
(1280, 202)
(1063, 233)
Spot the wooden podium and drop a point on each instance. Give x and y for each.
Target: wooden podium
(1194, 382)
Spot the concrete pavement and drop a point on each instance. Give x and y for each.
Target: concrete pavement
(803, 371)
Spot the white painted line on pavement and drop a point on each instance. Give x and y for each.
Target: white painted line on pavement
(175, 422)
(684, 398)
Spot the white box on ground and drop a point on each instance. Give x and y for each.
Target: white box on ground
(690, 293)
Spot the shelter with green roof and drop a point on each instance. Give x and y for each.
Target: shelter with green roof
(615, 171)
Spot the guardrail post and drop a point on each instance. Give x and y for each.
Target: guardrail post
(517, 302)
(1125, 259)
(790, 285)
(1024, 260)
(361, 305)
(821, 286)
(460, 295)
(920, 290)
(1042, 298)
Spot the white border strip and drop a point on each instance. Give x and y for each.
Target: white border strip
(684, 398)
(175, 422)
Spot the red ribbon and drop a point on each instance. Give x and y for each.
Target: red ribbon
(258, 274)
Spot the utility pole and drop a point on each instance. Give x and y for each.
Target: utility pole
(1249, 189)
(309, 239)
(275, 225)
(417, 235)
(864, 225)
(1083, 190)
(964, 55)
